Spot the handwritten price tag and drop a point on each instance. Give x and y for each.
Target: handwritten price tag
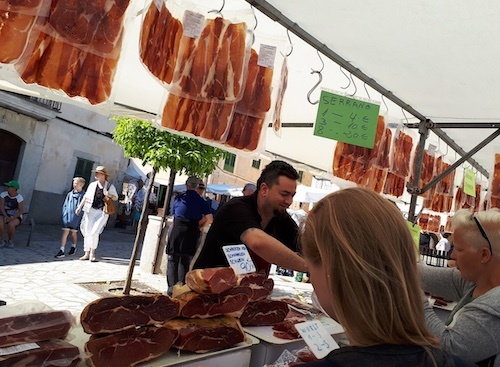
(239, 259)
(470, 182)
(346, 119)
(317, 338)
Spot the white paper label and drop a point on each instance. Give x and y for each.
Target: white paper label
(239, 259)
(267, 54)
(193, 24)
(317, 338)
(17, 348)
(432, 149)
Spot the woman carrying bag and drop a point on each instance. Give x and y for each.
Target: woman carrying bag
(97, 205)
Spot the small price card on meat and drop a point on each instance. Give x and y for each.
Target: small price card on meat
(317, 338)
(346, 119)
(239, 259)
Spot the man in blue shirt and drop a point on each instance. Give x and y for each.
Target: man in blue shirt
(191, 213)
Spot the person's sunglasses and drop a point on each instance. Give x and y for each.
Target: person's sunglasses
(483, 233)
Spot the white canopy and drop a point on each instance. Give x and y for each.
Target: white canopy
(438, 57)
(307, 194)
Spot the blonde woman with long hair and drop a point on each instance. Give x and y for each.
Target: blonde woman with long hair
(362, 262)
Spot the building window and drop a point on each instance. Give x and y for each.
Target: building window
(301, 175)
(84, 169)
(229, 162)
(256, 163)
(9, 155)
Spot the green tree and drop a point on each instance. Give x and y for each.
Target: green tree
(162, 150)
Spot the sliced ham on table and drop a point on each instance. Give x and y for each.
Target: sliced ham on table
(35, 327)
(129, 347)
(204, 335)
(111, 314)
(53, 352)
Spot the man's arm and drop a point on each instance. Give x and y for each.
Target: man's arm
(272, 250)
(2, 207)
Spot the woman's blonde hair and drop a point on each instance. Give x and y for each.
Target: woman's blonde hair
(369, 257)
(489, 220)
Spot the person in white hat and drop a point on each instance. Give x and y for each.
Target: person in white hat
(94, 218)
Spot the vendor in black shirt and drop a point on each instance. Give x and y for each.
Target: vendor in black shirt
(260, 221)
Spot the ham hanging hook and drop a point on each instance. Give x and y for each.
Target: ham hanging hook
(320, 79)
(220, 10)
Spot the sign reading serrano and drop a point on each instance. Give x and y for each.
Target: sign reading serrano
(347, 119)
(239, 259)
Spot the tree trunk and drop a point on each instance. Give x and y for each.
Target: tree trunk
(139, 234)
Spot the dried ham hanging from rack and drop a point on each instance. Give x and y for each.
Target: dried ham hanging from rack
(17, 19)
(208, 120)
(495, 184)
(249, 116)
(212, 67)
(160, 37)
(77, 50)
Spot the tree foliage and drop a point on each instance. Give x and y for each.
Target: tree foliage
(162, 150)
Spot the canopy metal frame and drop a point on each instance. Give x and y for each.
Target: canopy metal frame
(423, 126)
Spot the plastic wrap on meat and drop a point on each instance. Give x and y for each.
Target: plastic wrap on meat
(160, 37)
(248, 119)
(394, 184)
(426, 172)
(112, 314)
(212, 67)
(204, 306)
(423, 221)
(53, 352)
(204, 335)
(446, 184)
(264, 312)
(17, 19)
(130, 347)
(448, 227)
(34, 327)
(403, 147)
(211, 280)
(77, 51)
(281, 95)
(209, 120)
(375, 178)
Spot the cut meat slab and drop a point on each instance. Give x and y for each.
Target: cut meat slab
(111, 314)
(130, 347)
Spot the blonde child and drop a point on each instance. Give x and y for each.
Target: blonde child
(70, 220)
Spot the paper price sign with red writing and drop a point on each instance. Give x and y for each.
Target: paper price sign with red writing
(317, 338)
(239, 259)
(347, 119)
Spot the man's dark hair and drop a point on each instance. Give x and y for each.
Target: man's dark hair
(270, 175)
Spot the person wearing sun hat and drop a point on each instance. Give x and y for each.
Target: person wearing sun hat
(94, 219)
(11, 212)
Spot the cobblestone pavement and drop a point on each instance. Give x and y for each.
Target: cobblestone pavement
(33, 273)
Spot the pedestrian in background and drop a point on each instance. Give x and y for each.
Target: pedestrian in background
(249, 189)
(11, 212)
(94, 218)
(191, 213)
(70, 220)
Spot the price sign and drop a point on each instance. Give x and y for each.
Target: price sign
(317, 338)
(239, 259)
(415, 232)
(470, 182)
(346, 119)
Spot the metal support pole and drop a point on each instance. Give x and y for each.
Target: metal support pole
(466, 156)
(412, 188)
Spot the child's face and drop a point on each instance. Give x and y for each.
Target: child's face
(77, 185)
